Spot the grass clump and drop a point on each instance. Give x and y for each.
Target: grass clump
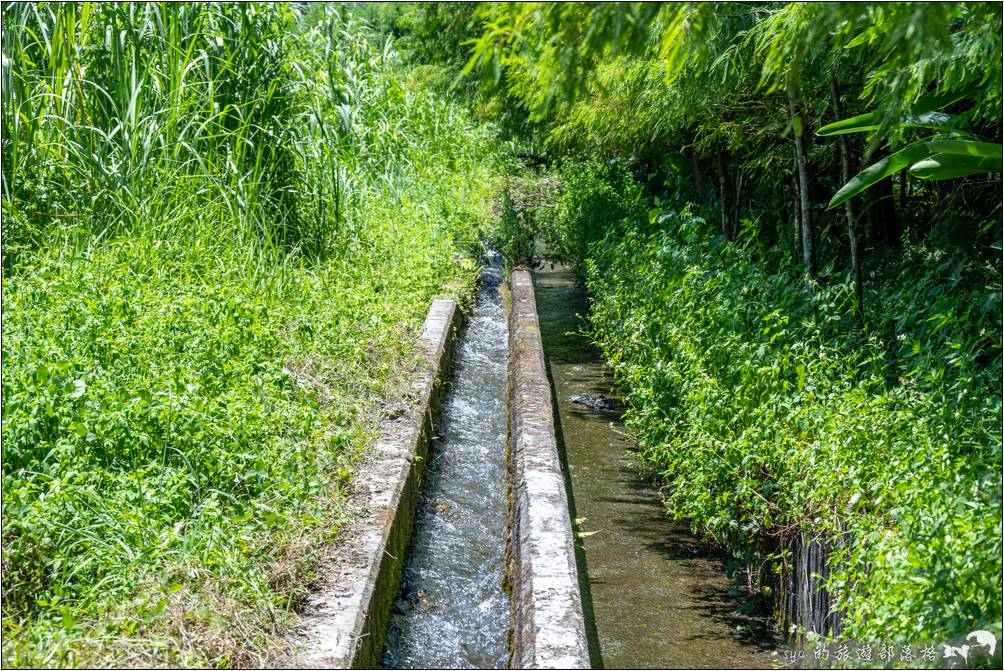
(227, 225)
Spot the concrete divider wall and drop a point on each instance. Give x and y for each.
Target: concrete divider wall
(548, 629)
(347, 620)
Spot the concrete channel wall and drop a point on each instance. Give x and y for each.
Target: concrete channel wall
(548, 629)
(346, 621)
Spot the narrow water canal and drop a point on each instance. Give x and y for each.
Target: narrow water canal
(451, 611)
(654, 596)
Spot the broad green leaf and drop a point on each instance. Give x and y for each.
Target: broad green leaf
(950, 166)
(935, 101)
(904, 158)
(872, 120)
(988, 155)
(854, 124)
(967, 147)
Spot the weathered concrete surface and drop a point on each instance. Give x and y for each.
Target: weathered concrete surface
(346, 621)
(548, 626)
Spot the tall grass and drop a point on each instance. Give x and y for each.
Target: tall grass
(107, 105)
(222, 227)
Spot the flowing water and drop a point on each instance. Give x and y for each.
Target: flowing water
(653, 595)
(451, 611)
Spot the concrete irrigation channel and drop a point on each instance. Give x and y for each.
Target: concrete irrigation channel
(451, 609)
(346, 621)
(465, 554)
(548, 623)
(654, 595)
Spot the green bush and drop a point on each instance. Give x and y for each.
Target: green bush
(764, 412)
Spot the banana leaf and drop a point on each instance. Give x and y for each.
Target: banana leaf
(973, 158)
(967, 148)
(872, 120)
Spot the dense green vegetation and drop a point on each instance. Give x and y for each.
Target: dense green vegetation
(223, 225)
(788, 217)
(765, 413)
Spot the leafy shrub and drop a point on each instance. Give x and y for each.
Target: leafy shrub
(764, 412)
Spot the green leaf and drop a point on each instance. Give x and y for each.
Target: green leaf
(873, 120)
(854, 124)
(935, 100)
(967, 147)
(951, 166)
(904, 158)
(988, 155)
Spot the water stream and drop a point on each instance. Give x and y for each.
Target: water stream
(451, 611)
(654, 596)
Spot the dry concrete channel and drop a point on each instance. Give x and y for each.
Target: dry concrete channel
(463, 554)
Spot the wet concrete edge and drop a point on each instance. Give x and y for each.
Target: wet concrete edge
(548, 628)
(347, 622)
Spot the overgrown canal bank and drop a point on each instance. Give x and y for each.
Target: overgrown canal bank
(451, 610)
(654, 596)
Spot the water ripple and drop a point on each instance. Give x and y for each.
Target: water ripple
(451, 611)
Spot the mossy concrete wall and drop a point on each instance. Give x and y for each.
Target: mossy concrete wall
(548, 629)
(346, 621)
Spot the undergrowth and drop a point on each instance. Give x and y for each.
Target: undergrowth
(223, 225)
(764, 412)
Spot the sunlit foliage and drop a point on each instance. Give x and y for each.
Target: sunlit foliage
(791, 369)
(223, 224)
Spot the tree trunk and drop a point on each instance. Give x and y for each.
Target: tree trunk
(798, 128)
(852, 235)
(723, 196)
(797, 238)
